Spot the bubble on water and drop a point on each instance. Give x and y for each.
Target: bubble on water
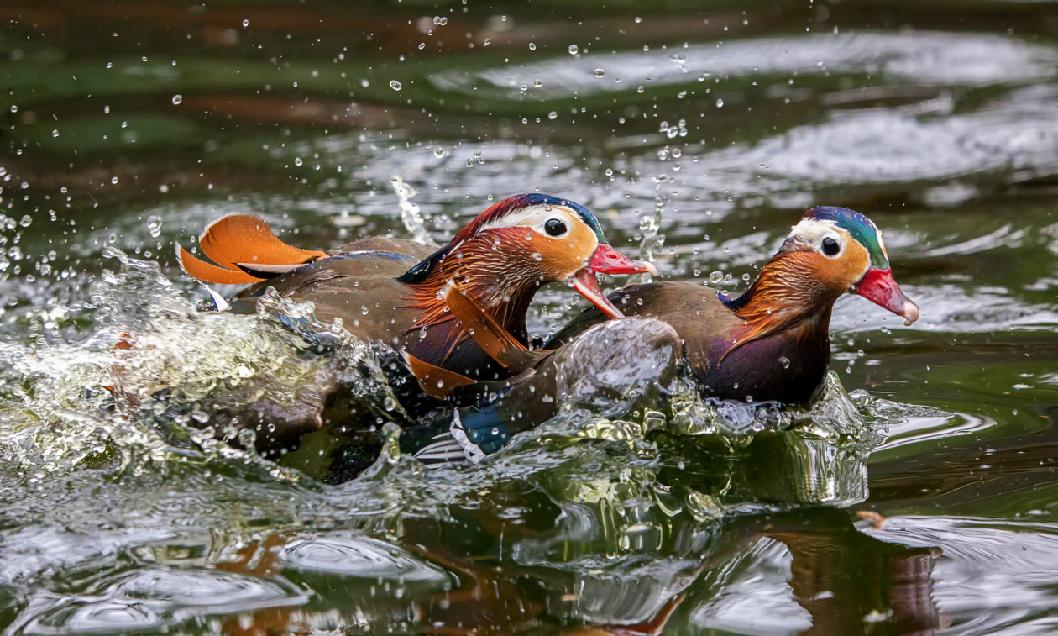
(177, 99)
(154, 226)
(599, 72)
(395, 85)
(573, 49)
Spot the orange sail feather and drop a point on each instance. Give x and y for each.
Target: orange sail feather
(239, 244)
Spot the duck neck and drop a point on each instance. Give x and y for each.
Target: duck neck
(500, 279)
(786, 297)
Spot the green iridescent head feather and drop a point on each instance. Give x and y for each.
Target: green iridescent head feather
(859, 227)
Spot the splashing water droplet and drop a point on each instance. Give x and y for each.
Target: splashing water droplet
(716, 276)
(532, 46)
(719, 103)
(599, 72)
(410, 212)
(177, 99)
(395, 85)
(439, 152)
(573, 49)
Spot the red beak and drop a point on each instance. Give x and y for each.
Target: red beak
(879, 287)
(606, 260)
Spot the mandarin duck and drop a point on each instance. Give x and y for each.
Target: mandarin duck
(404, 294)
(771, 343)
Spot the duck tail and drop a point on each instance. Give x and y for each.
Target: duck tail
(243, 250)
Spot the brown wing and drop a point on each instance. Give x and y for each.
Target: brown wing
(693, 310)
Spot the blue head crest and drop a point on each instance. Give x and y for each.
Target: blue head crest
(858, 226)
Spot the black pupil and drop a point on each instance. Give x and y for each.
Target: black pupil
(831, 247)
(555, 227)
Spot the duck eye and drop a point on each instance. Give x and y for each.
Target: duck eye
(555, 227)
(830, 246)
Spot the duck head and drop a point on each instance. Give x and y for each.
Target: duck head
(831, 251)
(510, 250)
(844, 251)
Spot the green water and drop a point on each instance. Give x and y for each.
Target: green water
(127, 126)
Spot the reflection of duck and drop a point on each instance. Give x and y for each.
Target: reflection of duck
(771, 343)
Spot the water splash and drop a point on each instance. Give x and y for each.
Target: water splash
(410, 213)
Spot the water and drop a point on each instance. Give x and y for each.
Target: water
(124, 131)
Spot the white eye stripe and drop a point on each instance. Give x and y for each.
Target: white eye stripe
(533, 217)
(813, 231)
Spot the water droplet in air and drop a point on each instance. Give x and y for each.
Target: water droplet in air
(716, 276)
(439, 152)
(552, 115)
(639, 20)
(440, 21)
(395, 85)
(719, 103)
(177, 99)
(532, 46)
(573, 49)
(784, 361)
(599, 72)
(245, 22)
(298, 161)
(154, 226)
(55, 132)
(14, 108)
(114, 180)
(26, 221)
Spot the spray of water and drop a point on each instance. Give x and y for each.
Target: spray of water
(410, 213)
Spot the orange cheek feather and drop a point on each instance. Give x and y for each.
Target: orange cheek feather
(563, 256)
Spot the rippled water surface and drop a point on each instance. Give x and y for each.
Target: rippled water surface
(918, 497)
